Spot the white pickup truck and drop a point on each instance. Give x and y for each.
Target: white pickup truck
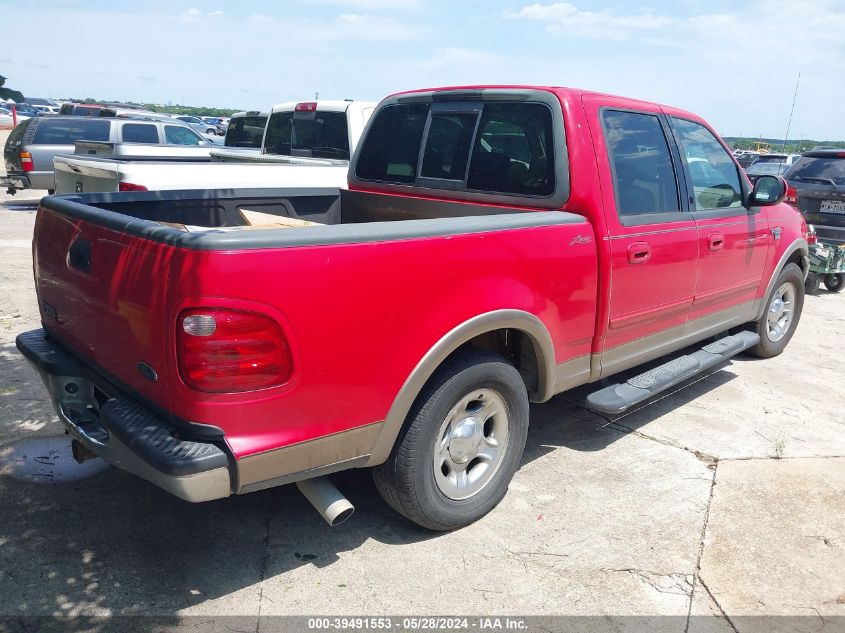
(308, 143)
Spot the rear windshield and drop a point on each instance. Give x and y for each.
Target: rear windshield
(818, 170)
(312, 134)
(492, 147)
(770, 159)
(245, 131)
(68, 131)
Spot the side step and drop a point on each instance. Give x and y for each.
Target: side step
(618, 398)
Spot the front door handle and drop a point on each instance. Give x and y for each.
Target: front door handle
(716, 241)
(639, 253)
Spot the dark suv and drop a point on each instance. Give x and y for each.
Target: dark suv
(818, 180)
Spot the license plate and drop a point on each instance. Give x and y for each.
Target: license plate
(833, 206)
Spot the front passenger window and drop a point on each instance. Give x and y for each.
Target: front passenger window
(715, 180)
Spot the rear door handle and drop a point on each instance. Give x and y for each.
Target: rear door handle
(639, 253)
(716, 240)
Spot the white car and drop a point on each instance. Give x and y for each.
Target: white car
(198, 124)
(6, 119)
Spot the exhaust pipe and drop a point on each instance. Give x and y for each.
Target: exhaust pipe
(326, 499)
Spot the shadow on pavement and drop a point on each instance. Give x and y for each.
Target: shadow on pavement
(112, 544)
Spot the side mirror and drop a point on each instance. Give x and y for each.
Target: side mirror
(768, 190)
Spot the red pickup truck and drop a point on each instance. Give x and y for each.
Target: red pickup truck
(495, 246)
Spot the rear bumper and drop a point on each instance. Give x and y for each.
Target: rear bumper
(13, 183)
(123, 431)
(29, 180)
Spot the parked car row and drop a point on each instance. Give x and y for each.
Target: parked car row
(297, 137)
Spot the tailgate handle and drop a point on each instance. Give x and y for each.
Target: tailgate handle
(79, 255)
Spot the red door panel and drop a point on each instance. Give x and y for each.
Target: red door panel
(654, 244)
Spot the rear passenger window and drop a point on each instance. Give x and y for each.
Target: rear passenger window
(714, 176)
(68, 131)
(495, 147)
(178, 135)
(643, 176)
(140, 133)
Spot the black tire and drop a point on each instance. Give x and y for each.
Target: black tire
(767, 348)
(834, 281)
(812, 283)
(406, 480)
(50, 192)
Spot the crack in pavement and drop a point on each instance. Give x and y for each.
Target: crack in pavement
(701, 540)
(265, 562)
(716, 602)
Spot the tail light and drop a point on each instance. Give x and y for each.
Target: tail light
(306, 107)
(26, 161)
(812, 238)
(128, 186)
(224, 351)
(791, 196)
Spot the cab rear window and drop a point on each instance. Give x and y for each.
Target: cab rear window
(491, 147)
(245, 131)
(312, 134)
(67, 132)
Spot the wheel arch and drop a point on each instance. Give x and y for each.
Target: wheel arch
(540, 353)
(796, 253)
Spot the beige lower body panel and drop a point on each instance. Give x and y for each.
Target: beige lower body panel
(319, 456)
(659, 344)
(572, 373)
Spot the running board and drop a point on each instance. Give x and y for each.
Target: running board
(618, 398)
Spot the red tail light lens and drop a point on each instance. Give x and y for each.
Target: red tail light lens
(791, 196)
(26, 161)
(306, 107)
(810, 234)
(225, 351)
(128, 186)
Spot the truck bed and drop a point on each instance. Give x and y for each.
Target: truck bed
(373, 276)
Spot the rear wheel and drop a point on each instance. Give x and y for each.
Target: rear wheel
(783, 311)
(834, 281)
(812, 283)
(461, 443)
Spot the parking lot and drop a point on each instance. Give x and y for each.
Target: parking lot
(721, 501)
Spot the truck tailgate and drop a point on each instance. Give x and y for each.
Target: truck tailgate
(85, 175)
(102, 294)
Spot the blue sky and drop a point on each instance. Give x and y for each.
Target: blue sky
(735, 63)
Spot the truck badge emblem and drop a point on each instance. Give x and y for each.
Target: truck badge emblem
(581, 239)
(776, 231)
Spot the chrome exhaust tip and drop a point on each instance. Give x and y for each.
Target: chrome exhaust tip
(326, 499)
